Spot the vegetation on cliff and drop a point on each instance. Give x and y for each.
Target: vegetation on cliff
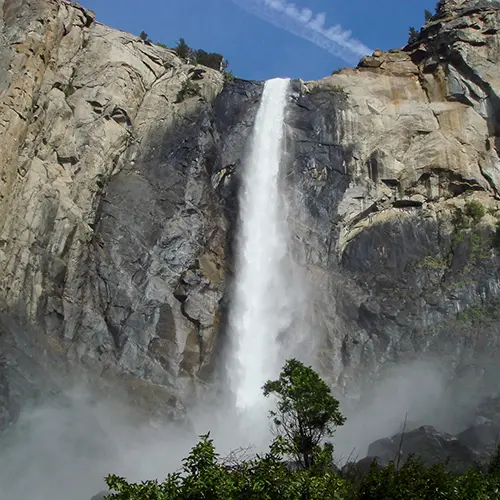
(306, 412)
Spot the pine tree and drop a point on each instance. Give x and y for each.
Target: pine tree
(413, 35)
(183, 50)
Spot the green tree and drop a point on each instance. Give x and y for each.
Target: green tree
(210, 59)
(202, 477)
(228, 77)
(306, 411)
(475, 210)
(143, 36)
(412, 35)
(183, 50)
(428, 15)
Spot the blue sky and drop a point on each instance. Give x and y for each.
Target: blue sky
(271, 38)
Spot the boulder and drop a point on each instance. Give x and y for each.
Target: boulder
(426, 444)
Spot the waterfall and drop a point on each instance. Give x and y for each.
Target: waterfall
(258, 311)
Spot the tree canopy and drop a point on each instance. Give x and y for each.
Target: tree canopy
(306, 410)
(412, 34)
(210, 59)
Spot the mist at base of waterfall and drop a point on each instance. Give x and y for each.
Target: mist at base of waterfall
(65, 449)
(61, 451)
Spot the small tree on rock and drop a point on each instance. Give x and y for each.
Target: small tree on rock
(183, 50)
(306, 410)
(412, 35)
(428, 15)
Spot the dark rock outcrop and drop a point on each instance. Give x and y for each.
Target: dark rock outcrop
(427, 444)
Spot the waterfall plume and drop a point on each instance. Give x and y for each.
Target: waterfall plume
(258, 312)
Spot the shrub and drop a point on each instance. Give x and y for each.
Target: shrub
(428, 15)
(412, 35)
(338, 89)
(188, 89)
(183, 50)
(228, 77)
(475, 210)
(459, 219)
(210, 59)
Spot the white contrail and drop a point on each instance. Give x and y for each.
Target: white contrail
(305, 23)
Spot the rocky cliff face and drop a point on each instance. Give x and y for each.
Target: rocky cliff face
(118, 181)
(398, 163)
(112, 238)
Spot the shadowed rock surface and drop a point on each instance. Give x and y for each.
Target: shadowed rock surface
(473, 447)
(427, 444)
(118, 208)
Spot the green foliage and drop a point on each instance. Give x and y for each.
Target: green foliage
(414, 481)
(69, 90)
(487, 312)
(228, 77)
(472, 315)
(494, 465)
(412, 35)
(465, 222)
(475, 210)
(302, 393)
(204, 477)
(338, 89)
(459, 219)
(188, 89)
(209, 59)
(161, 45)
(306, 410)
(428, 15)
(183, 50)
(143, 36)
(432, 263)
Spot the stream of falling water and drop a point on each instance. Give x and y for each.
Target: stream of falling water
(258, 312)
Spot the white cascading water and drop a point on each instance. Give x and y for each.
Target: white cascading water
(258, 311)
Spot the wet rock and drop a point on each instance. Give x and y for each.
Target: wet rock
(118, 206)
(427, 444)
(482, 437)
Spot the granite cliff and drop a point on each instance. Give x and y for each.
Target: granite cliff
(118, 180)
